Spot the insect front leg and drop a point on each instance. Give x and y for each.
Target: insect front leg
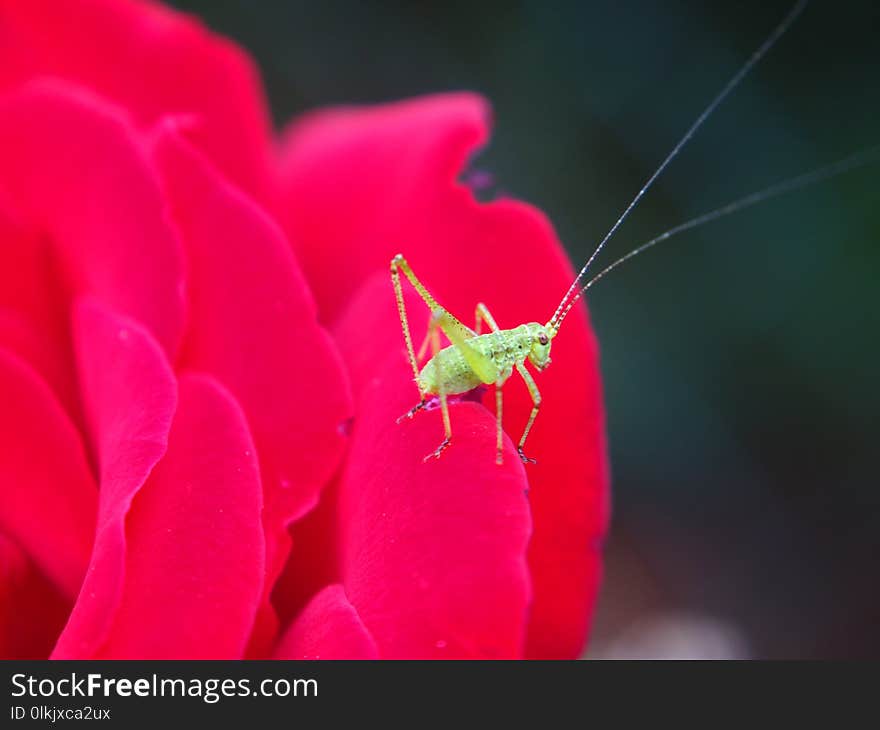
(536, 400)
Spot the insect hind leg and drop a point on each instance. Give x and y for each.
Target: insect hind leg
(399, 262)
(499, 430)
(434, 334)
(420, 406)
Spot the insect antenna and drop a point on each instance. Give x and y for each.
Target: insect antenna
(854, 161)
(778, 32)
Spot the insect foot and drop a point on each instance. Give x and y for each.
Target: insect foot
(440, 449)
(526, 459)
(412, 411)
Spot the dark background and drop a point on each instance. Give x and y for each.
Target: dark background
(740, 361)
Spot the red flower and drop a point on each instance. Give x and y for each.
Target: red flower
(172, 411)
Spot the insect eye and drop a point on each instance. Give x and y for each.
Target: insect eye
(542, 338)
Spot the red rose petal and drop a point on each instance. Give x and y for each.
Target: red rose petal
(253, 326)
(49, 498)
(313, 563)
(432, 554)
(570, 495)
(75, 170)
(393, 170)
(32, 611)
(328, 628)
(33, 319)
(353, 181)
(151, 60)
(195, 552)
(130, 396)
(49, 356)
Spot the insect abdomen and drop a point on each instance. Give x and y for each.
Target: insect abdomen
(457, 375)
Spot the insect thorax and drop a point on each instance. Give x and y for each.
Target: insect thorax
(504, 348)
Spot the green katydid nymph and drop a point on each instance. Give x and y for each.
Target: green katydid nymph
(474, 359)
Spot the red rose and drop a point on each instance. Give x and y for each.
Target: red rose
(171, 410)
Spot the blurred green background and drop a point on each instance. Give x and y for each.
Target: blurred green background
(741, 360)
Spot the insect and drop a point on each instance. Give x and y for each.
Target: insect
(474, 359)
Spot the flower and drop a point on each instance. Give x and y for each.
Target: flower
(201, 366)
